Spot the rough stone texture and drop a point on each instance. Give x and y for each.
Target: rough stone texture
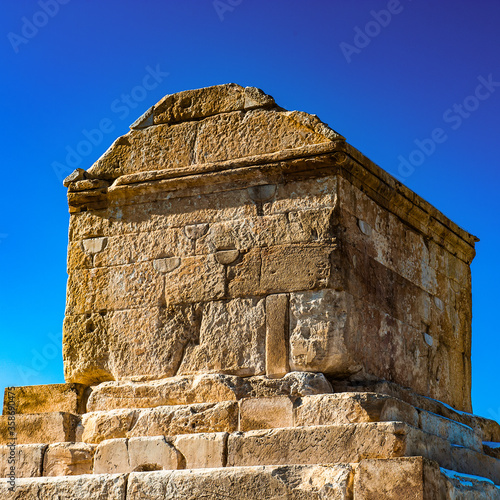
(210, 388)
(371, 407)
(352, 443)
(339, 444)
(230, 264)
(24, 460)
(110, 487)
(244, 483)
(135, 454)
(277, 364)
(266, 413)
(410, 478)
(417, 478)
(232, 339)
(37, 428)
(202, 450)
(163, 420)
(69, 398)
(486, 429)
(68, 459)
(175, 267)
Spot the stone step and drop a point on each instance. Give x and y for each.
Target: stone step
(340, 443)
(70, 398)
(269, 413)
(351, 443)
(488, 429)
(214, 388)
(179, 390)
(414, 477)
(38, 428)
(230, 416)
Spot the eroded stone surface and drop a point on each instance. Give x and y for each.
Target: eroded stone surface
(111, 487)
(210, 388)
(69, 398)
(204, 450)
(36, 428)
(163, 420)
(216, 200)
(23, 460)
(245, 483)
(68, 459)
(135, 454)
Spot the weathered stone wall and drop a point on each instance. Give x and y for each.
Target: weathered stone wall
(226, 239)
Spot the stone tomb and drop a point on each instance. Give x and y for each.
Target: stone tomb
(254, 309)
(224, 234)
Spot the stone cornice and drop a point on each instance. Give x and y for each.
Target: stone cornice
(330, 158)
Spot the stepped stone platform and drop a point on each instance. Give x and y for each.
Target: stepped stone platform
(254, 310)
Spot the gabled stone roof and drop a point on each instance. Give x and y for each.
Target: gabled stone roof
(212, 124)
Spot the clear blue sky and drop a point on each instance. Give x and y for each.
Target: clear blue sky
(65, 71)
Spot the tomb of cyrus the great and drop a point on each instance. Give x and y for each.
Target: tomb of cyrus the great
(254, 310)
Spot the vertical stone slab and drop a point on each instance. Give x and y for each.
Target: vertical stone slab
(277, 335)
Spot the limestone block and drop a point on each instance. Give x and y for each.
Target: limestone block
(154, 148)
(277, 334)
(68, 459)
(131, 248)
(135, 454)
(339, 444)
(455, 432)
(267, 270)
(111, 457)
(202, 450)
(111, 487)
(304, 194)
(266, 413)
(257, 132)
(163, 420)
(203, 417)
(207, 388)
(417, 478)
(318, 321)
(486, 429)
(133, 342)
(69, 398)
(345, 408)
(299, 226)
(311, 268)
(351, 443)
(35, 428)
(295, 482)
(196, 279)
(410, 478)
(114, 288)
(456, 485)
(99, 426)
(152, 453)
(232, 339)
(21, 460)
(201, 103)
(472, 462)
